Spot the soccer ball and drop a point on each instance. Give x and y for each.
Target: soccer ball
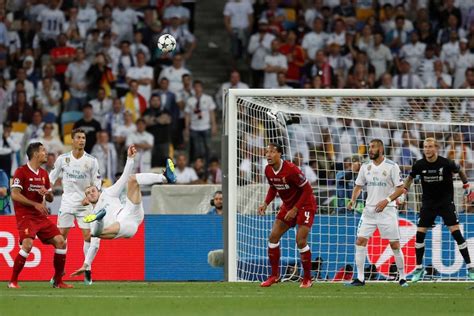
(166, 43)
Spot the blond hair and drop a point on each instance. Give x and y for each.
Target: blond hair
(431, 140)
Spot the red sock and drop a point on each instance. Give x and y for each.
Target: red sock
(17, 267)
(59, 263)
(274, 256)
(306, 263)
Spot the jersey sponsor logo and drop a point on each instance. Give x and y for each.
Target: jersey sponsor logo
(381, 255)
(67, 160)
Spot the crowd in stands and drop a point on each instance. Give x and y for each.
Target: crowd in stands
(95, 65)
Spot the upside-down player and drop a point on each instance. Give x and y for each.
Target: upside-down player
(299, 207)
(30, 189)
(436, 174)
(113, 219)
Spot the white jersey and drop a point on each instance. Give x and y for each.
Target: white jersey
(110, 200)
(380, 180)
(77, 175)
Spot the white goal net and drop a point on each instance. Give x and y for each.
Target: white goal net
(326, 133)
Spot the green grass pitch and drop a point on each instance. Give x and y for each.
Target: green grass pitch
(139, 298)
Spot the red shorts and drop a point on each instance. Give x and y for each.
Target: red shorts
(304, 217)
(43, 228)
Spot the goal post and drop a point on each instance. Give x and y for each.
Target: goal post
(326, 131)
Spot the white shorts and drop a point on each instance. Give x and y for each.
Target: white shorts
(386, 222)
(67, 215)
(129, 219)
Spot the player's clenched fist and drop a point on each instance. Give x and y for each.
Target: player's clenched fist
(262, 208)
(350, 205)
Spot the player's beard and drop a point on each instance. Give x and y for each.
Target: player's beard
(374, 156)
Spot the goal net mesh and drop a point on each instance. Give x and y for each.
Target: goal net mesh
(328, 138)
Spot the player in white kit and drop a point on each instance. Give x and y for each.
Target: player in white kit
(384, 186)
(111, 218)
(78, 171)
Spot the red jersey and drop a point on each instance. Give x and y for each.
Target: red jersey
(30, 182)
(65, 51)
(291, 185)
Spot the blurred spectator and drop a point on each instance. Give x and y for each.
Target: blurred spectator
(464, 61)
(143, 141)
(168, 102)
(184, 174)
(185, 41)
(113, 118)
(305, 168)
(133, 101)
(413, 51)
(174, 74)
(295, 57)
(274, 63)
(426, 33)
(20, 111)
(281, 81)
(124, 19)
(51, 142)
(61, 56)
(345, 180)
(86, 16)
(447, 9)
(4, 193)
(106, 154)
(5, 69)
(150, 29)
(217, 204)
(51, 20)
(339, 34)
(238, 21)
(138, 46)
(177, 9)
(339, 63)
(259, 47)
(397, 35)
(441, 79)
(346, 11)
(125, 61)
(345, 137)
(313, 12)
(114, 55)
(14, 44)
(99, 76)
(119, 137)
(28, 86)
(48, 99)
(200, 122)
(320, 67)
(75, 78)
(315, 40)
(158, 121)
(450, 51)
(3, 99)
(181, 98)
(461, 153)
(406, 79)
(362, 73)
(233, 83)
(380, 56)
(143, 75)
(8, 148)
(469, 82)
(444, 34)
(34, 129)
(426, 66)
(89, 125)
(101, 106)
(365, 39)
(200, 169)
(408, 152)
(214, 171)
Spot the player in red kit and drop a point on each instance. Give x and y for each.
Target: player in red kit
(30, 190)
(299, 206)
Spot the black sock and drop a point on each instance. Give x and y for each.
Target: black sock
(420, 247)
(462, 244)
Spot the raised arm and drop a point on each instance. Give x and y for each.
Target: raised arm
(119, 186)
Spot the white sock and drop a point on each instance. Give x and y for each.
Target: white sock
(400, 262)
(150, 178)
(96, 228)
(361, 253)
(85, 248)
(92, 252)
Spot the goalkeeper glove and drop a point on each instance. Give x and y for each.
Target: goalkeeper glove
(468, 193)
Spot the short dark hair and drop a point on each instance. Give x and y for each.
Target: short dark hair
(217, 192)
(77, 131)
(278, 147)
(379, 142)
(32, 149)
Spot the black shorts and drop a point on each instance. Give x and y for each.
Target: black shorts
(428, 215)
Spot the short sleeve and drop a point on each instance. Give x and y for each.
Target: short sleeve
(414, 170)
(297, 178)
(227, 11)
(396, 179)
(18, 179)
(47, 183)
(361, 181)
